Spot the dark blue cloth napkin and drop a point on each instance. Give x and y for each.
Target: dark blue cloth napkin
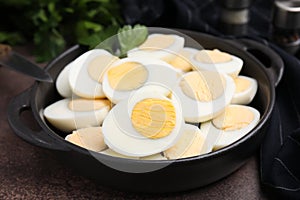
(280, 150)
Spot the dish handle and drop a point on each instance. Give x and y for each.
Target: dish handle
(16, 107)
(265, 55)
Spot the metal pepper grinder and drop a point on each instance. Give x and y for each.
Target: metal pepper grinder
(234, 16)
(286, 25)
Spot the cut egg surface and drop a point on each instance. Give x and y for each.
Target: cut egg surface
(215, 60)
(158, 46)
(90, 138)
(129, 74)
(182, 61)
(68, 115)
(204, 94)
(246, 88)
(86, 74)
(234, 123)
(143, 125)
(189, 144)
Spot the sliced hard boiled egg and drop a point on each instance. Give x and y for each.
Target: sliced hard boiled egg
(129, 74)
(159, 46)
(62, 82)
(234, 123)
(189, 144)
(68, 115)
(215, 60)
(245, 90)
(143, 125)
(90, 138)
(204, 94)
(182, 61)
(86, 74)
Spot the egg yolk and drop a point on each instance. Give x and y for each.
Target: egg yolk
(127, 76)
(203, 86)
(241, 84)
(81, 105)
(157, 42)
(181, 61)
(154, 118)
(98, 66)
(212, 56)
(234, 118)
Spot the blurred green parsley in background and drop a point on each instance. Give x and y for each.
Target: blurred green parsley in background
(53, 25)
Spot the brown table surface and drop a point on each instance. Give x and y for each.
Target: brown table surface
(29, 172)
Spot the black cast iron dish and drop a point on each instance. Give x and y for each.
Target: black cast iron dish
(182, 174)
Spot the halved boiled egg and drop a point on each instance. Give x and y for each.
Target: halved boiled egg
(204, 94)
(234, 123)
(182, 61)
(215, 60)
(129, 74)
(159, 46)
(143, 125)
(68, 115)
(86, 74)
(62, 82)
(245, 90)
(90, 138)
(189, 144)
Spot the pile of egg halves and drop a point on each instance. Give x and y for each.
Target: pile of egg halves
(163, 101)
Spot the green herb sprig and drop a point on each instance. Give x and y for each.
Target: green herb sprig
(52, 25)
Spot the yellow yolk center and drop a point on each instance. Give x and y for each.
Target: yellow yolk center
(181, 61)
(154, 118)
(241, 84)
(212, 56)
(203, 86)
(81, 105)
(233, 118)
(127, 76)
(98, 66)
(158, 42)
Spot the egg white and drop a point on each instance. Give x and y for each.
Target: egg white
(223, 138)
(245, 97)
(159, 74)
(122, 137)
(232, 67)
(195, 111)
(165, 54)
(63, 118)
(62, 82)
(79, 79)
